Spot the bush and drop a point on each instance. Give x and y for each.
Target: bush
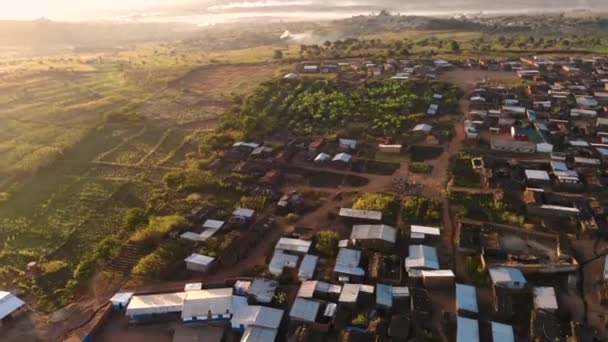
(420, 168)
(374, 201)
(360, 320)
(253, 202)
(100, 254)
(157, 228)
(327, 244)
(421, 210)
(53, 266)
(160, 262)
(292, 217)
(133, 218)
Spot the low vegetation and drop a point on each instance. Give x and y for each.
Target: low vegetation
(462, 172)
(486, 207)
(385, 203)
(420, 168)
(421, 210)
(327, 243)
(157, 228)
(162, 261)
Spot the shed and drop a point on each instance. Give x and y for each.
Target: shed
(384, 295)
(374, 232)
(426, 128)
(537, 175)
(466, 298)
(256, 315)
(193, 287)
(293, 245)
(321, 157)
(243, 212)
(310, 287)
(390, 148)
(468, 330)
(199, 263)
(9, 304)
(262, 290)
(207, 305)
(280, 260)
(259, 334)
(368, 215)
(342, 157)
(191, 236)
(545, 299)
(213, 224)
(507, 277)
(146, 306)
(304, 310)
(119, 301)
(422, 257)
(350, 293)
(421, 232)
(347, 262)
(307, 267)
(502, 332)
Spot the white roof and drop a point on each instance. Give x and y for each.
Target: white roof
(9, 303)
(606, 268)
(322, 157)
(578, 143)
(466, 298)
(468, 330)
(119, 298)
(374, 231)
(361, 214)
(507, 275)
(251, 145)
(208, 233)
(257, 315)
(199, 303)
(259, 334)
(347, 262)
(544, 298)
(193, 287)
(330, 310)
(350, 293)
(537, 175)
(280, 260)
(156, 303)
(348, 143)
(423, 128)
(294, 245)
(425, 230)
(308, 288)
(401, 291)
(430, 273)
(199, 259)
(502, 332)
(422, 256)
(384, 295)
(559, 207)
(304, 310)
(583, 112)
(307, 267)
(243, 212)
(343, 157)
(213, 224)
(192, 236)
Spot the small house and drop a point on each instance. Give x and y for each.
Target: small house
(119, 301)
(379, 237)
(466, 300)
(199, 263)
(304, 310)
(422, 257)
(467, 330)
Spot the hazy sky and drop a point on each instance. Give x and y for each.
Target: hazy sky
(60, 9)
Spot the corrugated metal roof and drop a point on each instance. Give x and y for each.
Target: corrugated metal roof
(343, 157)
(502, 332)
(259, 334)
(415, 229)
(537, 175)
(243, 212)
(468, 330)
(304, 310)
(374, 231)
(257, 315)
(384, 295)
(422, 256)
(200, 303)
(347, 262)
(156, 304)
(361, 214)
(350, 293)
(213, 224)
(119, 298)
(307, 267)
(193, 287)
(294, 245)
(263, 289)
(281, 260)
(544, 298)
(9, 303)
(199, 259)
(507, 275)
(308, 288)
(466, 298)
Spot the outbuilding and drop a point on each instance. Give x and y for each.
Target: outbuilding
(198, 262)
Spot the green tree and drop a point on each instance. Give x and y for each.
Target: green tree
(455, 46)
(327, 243)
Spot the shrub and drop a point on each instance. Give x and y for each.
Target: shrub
(157, 228)
(421, 210)
(53, 266)
(292, 217)
(327, 244)
(133, 218)
(420, 168)
(360, 320)
(375, 201)
(160, 262)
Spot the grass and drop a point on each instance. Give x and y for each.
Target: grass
(420, 168)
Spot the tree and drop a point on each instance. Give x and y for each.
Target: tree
(327, 243)
(360, 320)
(455, 46)
(278, 54)
(134, 217)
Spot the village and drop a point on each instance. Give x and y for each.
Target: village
(487, 225)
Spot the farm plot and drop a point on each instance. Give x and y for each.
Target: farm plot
(135, 150)
(170, 141)
(221, 81)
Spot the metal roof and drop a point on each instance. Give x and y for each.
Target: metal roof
(350, 293)
(9, 303)
(307, 267)
(508, 276)
(280, 260)
(422, 128)
(193, 287)
(544, 298)
(466, 298)
(308, 288)
(192, 236)
(243, 212)
(304, 310)
(361, 214)
(199, 259)
(342, 157)
(200, 303)
(156, 304)
(322, 157)
(537, 175)
(259, 334)
(263, 289)
(384, 295)
(347, 262)
(120, 298)
(213, 224)
(294, 245)
(374, 231)
(415, 229)
(256, 315)
(468, 330)
(502, 332)
(422, 256)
